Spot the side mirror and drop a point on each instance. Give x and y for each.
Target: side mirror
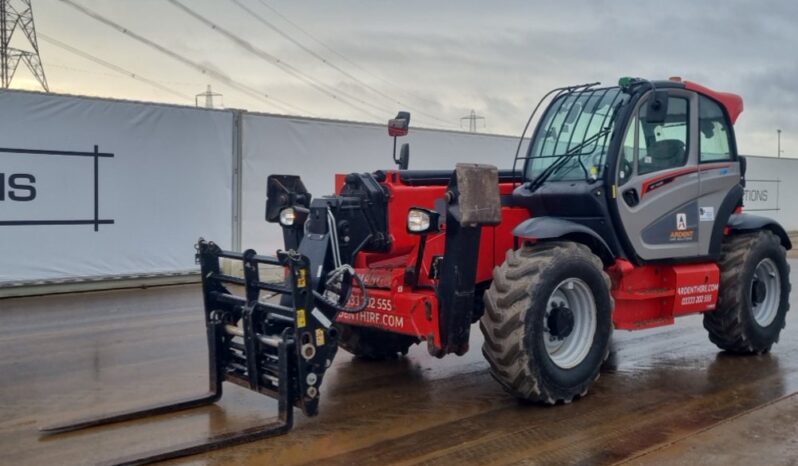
(657, 109)
(400, 125)
(404, 157)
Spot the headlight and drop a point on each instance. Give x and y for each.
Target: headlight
(422, 220)
(287, 217)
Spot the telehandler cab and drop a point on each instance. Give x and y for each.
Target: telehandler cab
(625, 211)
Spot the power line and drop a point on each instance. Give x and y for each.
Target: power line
(12, 19)
(284, 106)
(330, 64)
(77, 69)
(111, 66)
(286, 67)
(51, 64)
(342, 56)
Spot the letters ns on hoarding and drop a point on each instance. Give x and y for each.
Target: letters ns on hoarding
(17, 187)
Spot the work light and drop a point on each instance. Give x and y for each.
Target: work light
(287, 217)
(422, 220)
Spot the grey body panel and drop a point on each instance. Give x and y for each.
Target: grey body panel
(716, 181)
(666, 229)
(659, 208)
(678, 206)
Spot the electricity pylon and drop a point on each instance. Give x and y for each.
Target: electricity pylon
(17, 15)
(472, 119)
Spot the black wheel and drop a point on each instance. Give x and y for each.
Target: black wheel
(373, 344)
(754, 294)
(548, 321)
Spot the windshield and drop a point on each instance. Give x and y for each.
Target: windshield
(576, 125)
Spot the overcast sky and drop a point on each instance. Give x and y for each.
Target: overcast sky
(438, 60)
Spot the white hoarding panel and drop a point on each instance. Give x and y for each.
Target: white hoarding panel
(94, 187)
(761, 196)
(316, 150)
(771, 190)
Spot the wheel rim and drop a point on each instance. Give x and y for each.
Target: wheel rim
(765, 295)
(569, 323)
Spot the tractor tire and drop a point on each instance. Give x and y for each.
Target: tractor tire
(548, 321)
(373, 344)
(754, 294)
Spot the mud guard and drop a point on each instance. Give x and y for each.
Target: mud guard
(747, 222)
(544, 228)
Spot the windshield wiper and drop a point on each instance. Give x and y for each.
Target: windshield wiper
(563, 158)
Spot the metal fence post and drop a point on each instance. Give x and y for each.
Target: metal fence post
(237, 184)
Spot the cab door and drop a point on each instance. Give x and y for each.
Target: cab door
(658, 181)
(719, 173)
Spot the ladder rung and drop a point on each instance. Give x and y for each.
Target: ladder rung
(275, 287)
(229, 279)
(278, 308)
(231, 255)
(233, 330)
(272, 341)
(237, 368)
(229, 298)
(281, 318)
(269, 260)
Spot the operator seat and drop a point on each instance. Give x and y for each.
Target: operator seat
(668, 153)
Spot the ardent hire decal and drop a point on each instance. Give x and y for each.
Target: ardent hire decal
(697, 294)
(681, 221)
(374, 319)
(697, 289)
(682, 233)
(374, 314)
(376, 304)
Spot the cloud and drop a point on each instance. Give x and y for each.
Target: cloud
(446, 58)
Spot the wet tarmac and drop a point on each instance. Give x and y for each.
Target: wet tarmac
(666, 396)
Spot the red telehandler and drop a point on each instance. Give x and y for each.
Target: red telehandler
(625, 211)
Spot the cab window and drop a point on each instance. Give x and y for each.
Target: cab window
(714, 134)
(661, 146)
(626, 167)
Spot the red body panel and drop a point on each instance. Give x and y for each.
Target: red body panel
(658, 181)
(398, 310)
(396, 306)
(652, 295)
(732, 102)
(645, 296)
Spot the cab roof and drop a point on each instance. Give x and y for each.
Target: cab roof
(733, 103)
